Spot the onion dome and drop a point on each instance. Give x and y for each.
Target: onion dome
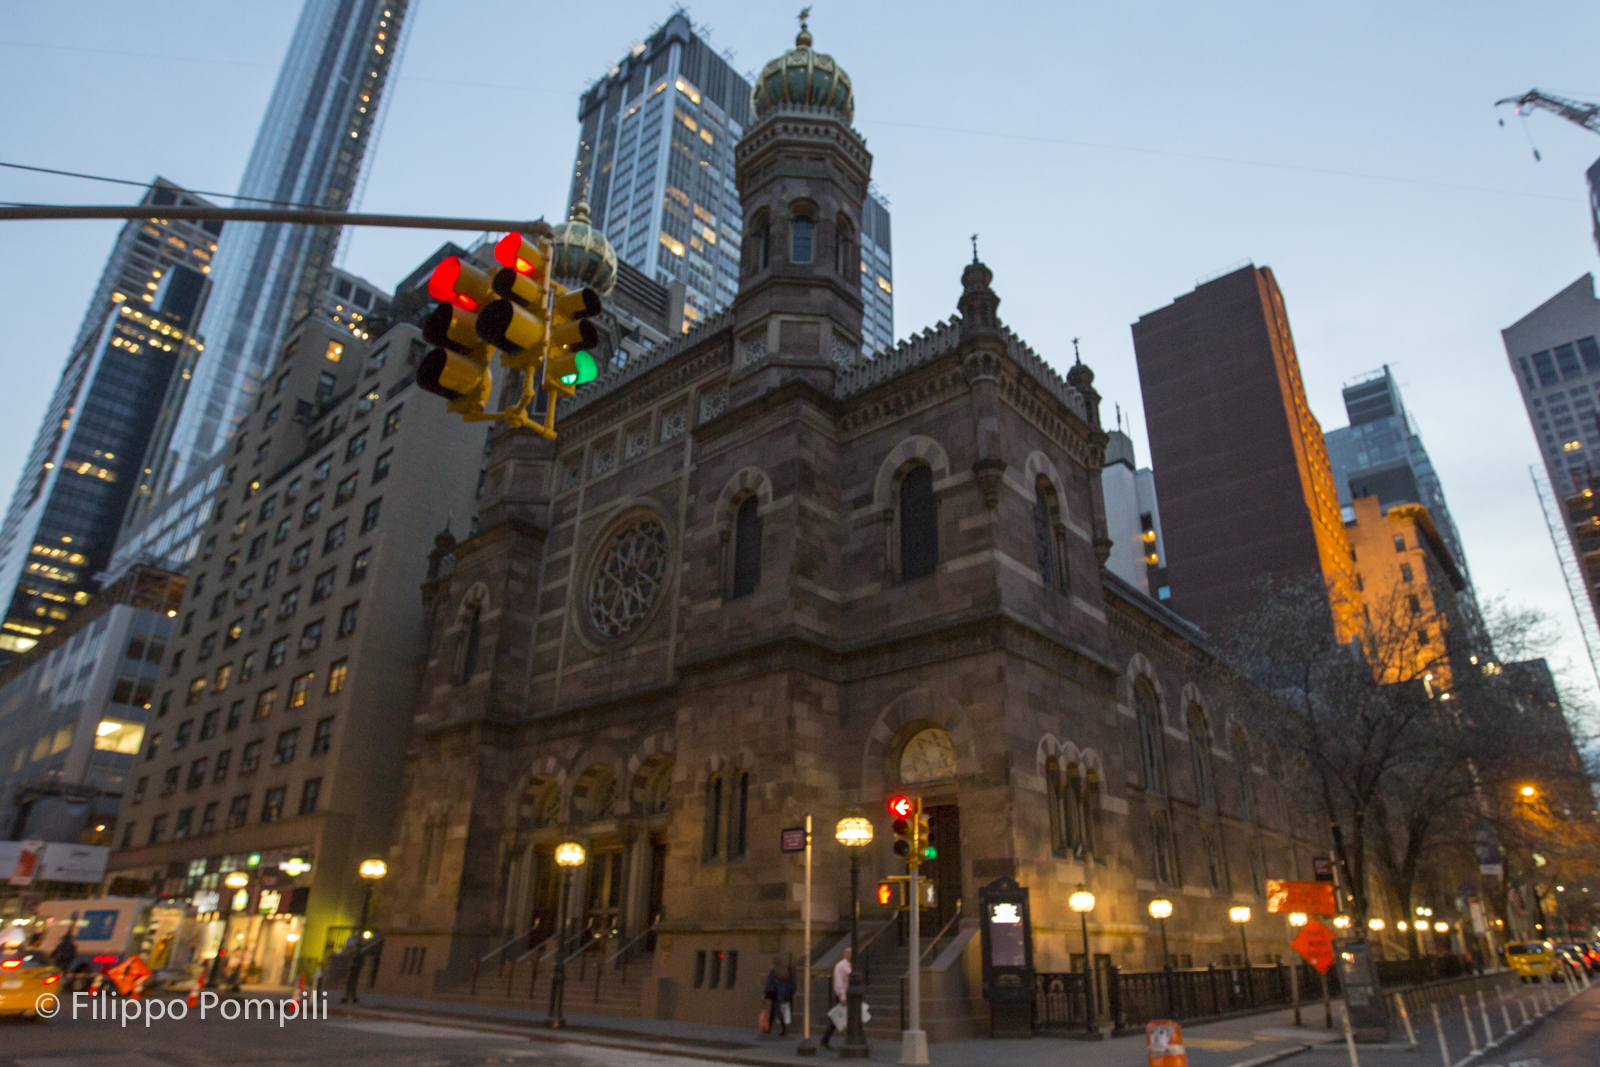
(802, 76)
(582, 253)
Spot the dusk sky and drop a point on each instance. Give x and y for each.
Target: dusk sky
(1108, 156)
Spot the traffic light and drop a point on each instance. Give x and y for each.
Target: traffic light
(457, 368)
(891, 894)
(902, 809)
(923, 842)
(460, 283)
(568, 361)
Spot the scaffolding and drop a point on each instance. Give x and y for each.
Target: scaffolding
(1555, 518)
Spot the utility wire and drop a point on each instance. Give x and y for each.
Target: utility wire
(151, 185)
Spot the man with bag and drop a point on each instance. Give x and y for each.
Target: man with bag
(777, 995)
(838, 1015)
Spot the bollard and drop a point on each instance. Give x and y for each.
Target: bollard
(1522, 1006)
(1466, 1015)
(1438, 1028)
(1488, 1031)
(1400, 1004)
(1349, 1035)
(1505, 1012)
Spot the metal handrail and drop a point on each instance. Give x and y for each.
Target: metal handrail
(940, 935)
(539, 948)
(865, 961)
(642, 935)
(495, 951)
(594, 936)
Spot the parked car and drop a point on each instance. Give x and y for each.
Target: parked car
(26, 974)
(1532, 960)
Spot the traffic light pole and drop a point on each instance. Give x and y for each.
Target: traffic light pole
(913, 1041)
(297, 216)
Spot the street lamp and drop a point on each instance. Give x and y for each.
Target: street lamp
(371, 871)
(1082, 902)
(1341, 922)
(854, 832)
(1529, 791)
(1161, 910)
(1241, 915)
(569, 857)
(1298, 918)
(1375, 925)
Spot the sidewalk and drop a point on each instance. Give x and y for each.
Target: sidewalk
(1256, 1039)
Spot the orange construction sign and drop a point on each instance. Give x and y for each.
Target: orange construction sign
(128, 974)
(1315, 943)
(1312, 898)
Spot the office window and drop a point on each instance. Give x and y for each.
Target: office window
(300, 556)
(152, 747)
(391, 421)
(281, 534)
(169, 781)
(289, 603)
(358, 566)
(208, 725)
(346, 489)
(266, 701)
(218, 603)
(272, 804)
(258, 622)
(234, 631)
(269, 577)
(158, 829)
(1399, 542)
(294, 488)
(269, 507)
(185, 822)
(197, 689)
(336, 675)
(208, 819)
(369, 515)
(308, 796)
(238, 811)
(250, 757)
(287, 742)
(277, 651)
(298, 689)
(257, 546)
(142, 785)
(380, 467)
(347, 620)
(325, 385)
(311, 637)
(322, 738)
(333, 540)
(219, 770)
(235, 715)
(356, 445)
(322, 588)
(127, 836)
(261, 450)
(197, 774)
(180, 738)
(312, 512)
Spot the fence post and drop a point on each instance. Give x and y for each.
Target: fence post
(1466, 1015)
(1488, 1031)
(1522, 1006)
(1294, 991)
(1438, 1027)
(1400, 1002)
(1505, 1011)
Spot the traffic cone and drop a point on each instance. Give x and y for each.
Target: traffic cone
(300, 987)
(193, 999)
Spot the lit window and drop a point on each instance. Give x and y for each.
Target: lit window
(335, 352)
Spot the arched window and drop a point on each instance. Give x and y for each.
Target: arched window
(468, 660)
(594, 798)
(1239, 745)
(919, 524)
(709, 831)
(1049, 541)
(540, 805)
(803, 236)
(758, 242)
(746, 548)
(1151, 762)
(1205, 792)
(738, 818)
(846, 261)
(1089, 806)
(1057, 793)
(656, 793)
(1068, 831)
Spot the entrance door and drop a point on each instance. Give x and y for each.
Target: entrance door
(944, 827)
(546, 894)
(605, 890)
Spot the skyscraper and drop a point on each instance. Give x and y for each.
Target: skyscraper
(308, 150)
(657, 169)
(1381, 454)
(1241, 471)
(136, 341)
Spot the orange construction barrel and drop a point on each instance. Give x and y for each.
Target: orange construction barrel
(1163, 1040)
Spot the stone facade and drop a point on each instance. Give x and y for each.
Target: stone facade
(754, 570)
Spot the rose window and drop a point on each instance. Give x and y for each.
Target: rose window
(628, 578)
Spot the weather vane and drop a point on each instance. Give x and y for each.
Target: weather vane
(1075, 358)
(805, 13)
(974, 248)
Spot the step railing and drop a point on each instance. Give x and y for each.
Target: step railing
(501, 951)
(618, 960)
(865, 962)
(538, 953)
(922, 960)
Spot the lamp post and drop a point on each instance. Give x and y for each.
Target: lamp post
(1376, 926)
(1082, 902)
(371, 871)
(569, 857)
(1241, 915)
(1161, 910)
(854, 832)
(1297, 919)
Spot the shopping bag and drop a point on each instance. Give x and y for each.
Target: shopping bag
(765, 1025)
(866, 1013)
(837, 1016)
(788, 1016)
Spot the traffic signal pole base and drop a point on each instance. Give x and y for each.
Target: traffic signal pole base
(806, 1048)
(914, 1047)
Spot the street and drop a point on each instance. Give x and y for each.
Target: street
(191, 1043)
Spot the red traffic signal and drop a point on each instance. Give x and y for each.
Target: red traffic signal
(900, 807)
(891, 894)
(520, 254)
(460, 284)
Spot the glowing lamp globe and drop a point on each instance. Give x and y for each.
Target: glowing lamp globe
(853, 831)
(1081, 901)
(1342, 922)
(372, 869)
(1239, 914)
(236, 880)
(1441, 928)
(570, 854)
(1375, 924)
(1160, 908)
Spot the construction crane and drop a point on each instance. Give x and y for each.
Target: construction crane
(1575, 111)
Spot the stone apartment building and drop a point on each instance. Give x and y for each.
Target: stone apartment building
(761, 577)
(281, 711)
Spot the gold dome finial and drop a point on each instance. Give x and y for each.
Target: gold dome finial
(580, 210)
(803, 38)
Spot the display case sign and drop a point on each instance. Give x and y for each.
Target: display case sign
(1006, 931)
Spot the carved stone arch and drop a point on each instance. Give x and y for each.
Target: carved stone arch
(595, 793)
(1140, 667)
(1038, 464)
(913, 449)
(1090, 759)
(902, 719)
(1065, 753)
(744, 482)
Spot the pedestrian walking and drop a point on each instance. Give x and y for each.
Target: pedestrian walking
(841, 994)
(776, 998)
(65, 954)
(785, 999)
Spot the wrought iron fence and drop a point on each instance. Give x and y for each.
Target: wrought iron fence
(1127, 1000)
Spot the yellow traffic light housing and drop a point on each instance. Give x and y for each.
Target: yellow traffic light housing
(458, 367)
(569, 361)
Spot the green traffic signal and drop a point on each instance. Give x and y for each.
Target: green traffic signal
(930, 853)
(586, 370)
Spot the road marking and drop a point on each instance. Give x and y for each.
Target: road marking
(404, 1029)
(1214, 1044)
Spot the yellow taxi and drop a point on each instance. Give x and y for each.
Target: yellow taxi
(25, 975)
(1531, 959)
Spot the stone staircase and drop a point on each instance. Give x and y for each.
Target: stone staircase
(944, 1016)
(591, 987)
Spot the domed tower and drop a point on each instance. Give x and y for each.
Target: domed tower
(802, 173)
(582, 254)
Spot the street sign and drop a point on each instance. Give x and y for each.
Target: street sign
(1313, 898)
(1322, 868)
(792, 839)
(1315, 944)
